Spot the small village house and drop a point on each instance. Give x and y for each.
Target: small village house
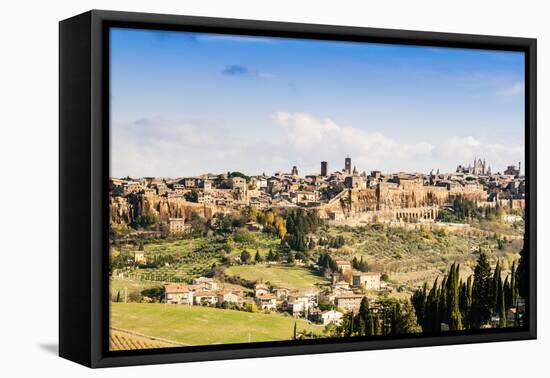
(205, 297)
(206, 283)
(230, 296)
(178, 294)
(281, 292)
(331, 316)
(177, 226)
(140, 258)
(367, 280)
(343, 265)
(260, 289)
(348, 302)
(266, 302)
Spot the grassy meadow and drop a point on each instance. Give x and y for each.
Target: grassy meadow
(197, 325)
(292, 277)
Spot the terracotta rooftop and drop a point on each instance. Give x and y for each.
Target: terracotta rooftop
(174, 288)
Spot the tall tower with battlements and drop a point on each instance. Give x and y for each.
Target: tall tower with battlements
(347, 165)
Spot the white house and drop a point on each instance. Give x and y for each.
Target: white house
(178, 294)
(266, 301)
(331, 316)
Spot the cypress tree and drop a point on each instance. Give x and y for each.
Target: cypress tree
(521, 275)
(502, 307)
(351, 324)
(258, 257)
(376, 325)
(419, 301)
(370, 325)
(455, 318)
(482, 287)
(468, 305)
(442, 308)
(496, 287)
(364, 314)
(513, 286)
(507, 293)
(393, 319)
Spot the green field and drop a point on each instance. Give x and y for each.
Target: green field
(195, 325)
(292, 277)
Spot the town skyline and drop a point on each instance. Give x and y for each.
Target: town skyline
(460, 168)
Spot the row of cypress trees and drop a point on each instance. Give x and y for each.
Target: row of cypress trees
(467, 304)
(390, 318)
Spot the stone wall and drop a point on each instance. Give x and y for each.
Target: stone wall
(125, 210)
(392, 202)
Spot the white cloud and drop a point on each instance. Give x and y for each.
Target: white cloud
(165, 147)
(515, 89)
(304, 131)
(325, 139)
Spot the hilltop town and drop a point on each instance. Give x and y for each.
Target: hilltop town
(313, 250)
(338, 195)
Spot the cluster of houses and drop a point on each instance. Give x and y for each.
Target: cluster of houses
(341, 297)
(324, 191)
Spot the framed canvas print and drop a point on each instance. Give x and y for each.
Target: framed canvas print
(234, 188)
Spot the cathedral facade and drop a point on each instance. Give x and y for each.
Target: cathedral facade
(479, 168)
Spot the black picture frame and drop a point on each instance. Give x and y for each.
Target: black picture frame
(84, 170)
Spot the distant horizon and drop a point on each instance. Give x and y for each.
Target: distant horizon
(330, 171)
(184, 104)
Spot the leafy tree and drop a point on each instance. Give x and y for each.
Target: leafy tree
(145, 221)
(242, 235)
(225, 223)
(245, 257)
(405, 319)
(157, 293)
(198, 225)
(192, 196)
(238, 174)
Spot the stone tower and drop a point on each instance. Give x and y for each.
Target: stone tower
(324, 168)
(347, 165)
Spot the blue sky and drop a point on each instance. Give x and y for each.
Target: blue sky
(186, 103)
